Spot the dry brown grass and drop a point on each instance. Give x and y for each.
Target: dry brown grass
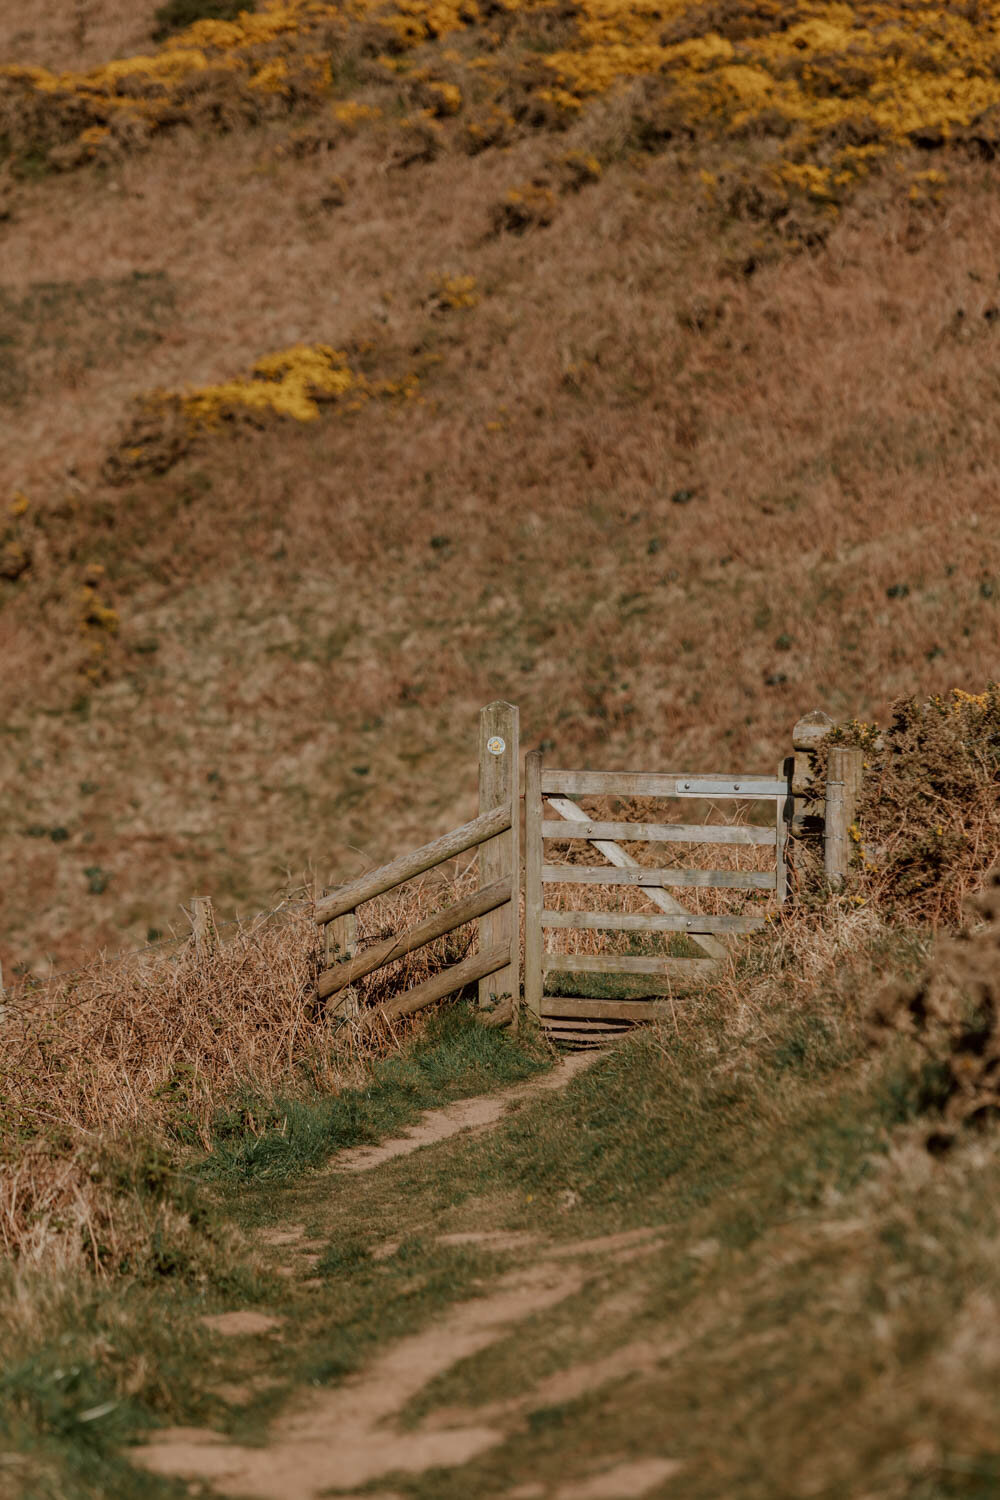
(75, 33)
(954, 1013)
(144, 1051)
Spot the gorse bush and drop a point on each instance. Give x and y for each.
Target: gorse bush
(176, 15)
(953, 1013)
(824, 91)
(928, 821)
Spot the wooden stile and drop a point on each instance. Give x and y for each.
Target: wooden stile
(496, 833)
(500, 856)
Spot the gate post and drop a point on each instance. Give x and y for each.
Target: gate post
(843, 782)
(533, 979)
(500, 857)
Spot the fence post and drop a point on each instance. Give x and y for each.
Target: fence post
(533, 978)
(203, 925)
(784, 808)
(499, 857)
(807, 735)
(843, 783)
(341, 942)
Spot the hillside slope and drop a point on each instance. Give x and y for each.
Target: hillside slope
(644, 373)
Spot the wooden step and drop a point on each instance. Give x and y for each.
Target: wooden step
(579, 1008)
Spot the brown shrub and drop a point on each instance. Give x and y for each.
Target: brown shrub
(531, 206)
(928, 822)
(953, 1014)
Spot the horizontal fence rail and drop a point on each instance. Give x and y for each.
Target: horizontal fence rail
(337, 978)
(661, 833)
(621, 963)
(665, 784)
(637, 921)
(733, 880)
(377, 882)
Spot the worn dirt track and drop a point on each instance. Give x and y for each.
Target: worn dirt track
(342, 1439)
(467, 1114)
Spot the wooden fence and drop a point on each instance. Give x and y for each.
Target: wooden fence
(495, 832)
(800, 805)
(806, 805)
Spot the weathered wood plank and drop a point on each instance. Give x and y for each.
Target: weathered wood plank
(634, 921)
(843, 781)
(646, 784)
(377, 882)
(733, 880)
(500, 857)
(203, 926)
(533, 938)
(573, 1008)
(582, 1034)
(490, 898)
(446, 983)
(659, 833)
(783, 808)
(616, 855)
(736, 788)
(619, 963)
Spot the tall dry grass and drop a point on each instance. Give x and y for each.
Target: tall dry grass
(110, 1075)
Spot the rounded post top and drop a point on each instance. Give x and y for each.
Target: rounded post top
(811, 729)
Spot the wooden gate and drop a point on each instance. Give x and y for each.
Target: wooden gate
(577, 1017)
(495, 834)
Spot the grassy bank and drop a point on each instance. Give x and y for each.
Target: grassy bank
(814, 1269)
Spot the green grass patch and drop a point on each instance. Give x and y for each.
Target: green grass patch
(454, 1058)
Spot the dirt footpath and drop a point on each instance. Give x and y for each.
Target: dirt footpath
(341, 1439)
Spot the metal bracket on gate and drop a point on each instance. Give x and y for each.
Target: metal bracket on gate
(743, 786)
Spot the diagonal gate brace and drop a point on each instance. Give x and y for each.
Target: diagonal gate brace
(616, 855)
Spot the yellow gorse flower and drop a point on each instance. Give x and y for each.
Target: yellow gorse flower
(847, 83)
(290, 383)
